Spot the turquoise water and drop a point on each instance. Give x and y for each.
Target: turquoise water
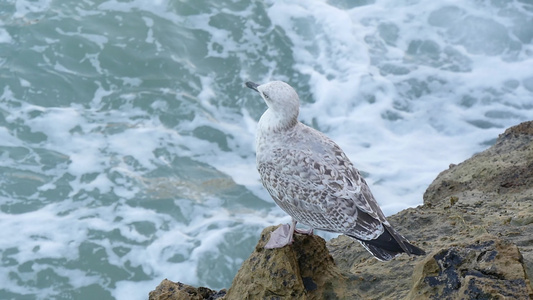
(127, 135)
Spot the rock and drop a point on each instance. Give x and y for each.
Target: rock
(304, 270)
(494, 190)
(168, 290)
(476, 224)
(503, 169)
(490, 194)
(491, 269)
(370, 278)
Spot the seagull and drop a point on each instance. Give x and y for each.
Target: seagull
(311, 179)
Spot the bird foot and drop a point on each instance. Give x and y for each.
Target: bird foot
(303, 231)
(280, 237)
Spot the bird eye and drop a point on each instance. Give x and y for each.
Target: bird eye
(266, 96)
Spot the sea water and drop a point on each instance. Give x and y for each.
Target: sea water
(127, 135)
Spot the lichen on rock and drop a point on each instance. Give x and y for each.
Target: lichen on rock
(489, 268)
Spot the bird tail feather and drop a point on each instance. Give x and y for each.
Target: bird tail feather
(389, 245)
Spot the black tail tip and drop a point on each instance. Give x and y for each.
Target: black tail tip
(414, 250)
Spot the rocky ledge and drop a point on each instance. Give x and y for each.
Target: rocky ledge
(476, 224)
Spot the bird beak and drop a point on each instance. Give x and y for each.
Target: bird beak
(252, 85)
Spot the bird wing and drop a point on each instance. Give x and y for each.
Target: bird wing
(319, 186)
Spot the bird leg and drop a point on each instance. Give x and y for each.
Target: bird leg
(283, 235)
(301, 231)
(304, 231)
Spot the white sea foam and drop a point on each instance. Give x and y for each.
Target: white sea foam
(5, 37)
